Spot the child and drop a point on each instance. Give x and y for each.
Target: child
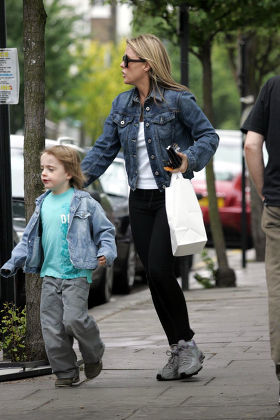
(66, 238)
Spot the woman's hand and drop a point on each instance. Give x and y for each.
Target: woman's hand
(182, 168)
(102, 260)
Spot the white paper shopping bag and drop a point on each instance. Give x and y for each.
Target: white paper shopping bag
(187, 231)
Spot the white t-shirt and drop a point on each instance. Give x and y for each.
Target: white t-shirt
(145, 179)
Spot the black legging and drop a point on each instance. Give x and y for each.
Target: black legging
(151, 236)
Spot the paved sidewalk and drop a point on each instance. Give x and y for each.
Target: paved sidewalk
(237, 381)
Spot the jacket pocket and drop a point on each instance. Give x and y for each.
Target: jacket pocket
(124, 124)
(164, 126)
(82, 214)
(164, 131)
(81, 230)
(122, 120)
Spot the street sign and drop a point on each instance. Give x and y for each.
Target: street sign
(9, 76)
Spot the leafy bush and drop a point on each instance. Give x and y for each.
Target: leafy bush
(207, 282)
(12, 332)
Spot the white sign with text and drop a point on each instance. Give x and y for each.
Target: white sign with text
(9, 76)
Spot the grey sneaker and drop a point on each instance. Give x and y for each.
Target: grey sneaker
(190, 359)
(170, 371)
(66, 382)
(93, 369)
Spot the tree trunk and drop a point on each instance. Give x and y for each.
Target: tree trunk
(34, 17)
(225, 276)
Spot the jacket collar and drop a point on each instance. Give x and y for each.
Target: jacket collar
(154, 94)
(77, 193)
(41, 197)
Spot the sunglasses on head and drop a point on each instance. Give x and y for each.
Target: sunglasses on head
(127, 60)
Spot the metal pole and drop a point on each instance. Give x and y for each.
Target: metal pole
(184, 262)
(243, 106)
(184, 43)
(6, 225)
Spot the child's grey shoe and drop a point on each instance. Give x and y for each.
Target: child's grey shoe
(190, 359)
(93, 369)
(67, 382)
(170, 371)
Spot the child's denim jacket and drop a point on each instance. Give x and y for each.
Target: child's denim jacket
(173, 117)
(90, 235)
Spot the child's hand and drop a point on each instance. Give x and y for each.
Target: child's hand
(5, 272)
(101, 260)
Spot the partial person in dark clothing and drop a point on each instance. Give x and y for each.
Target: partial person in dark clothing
(143, 122)
(263, 125)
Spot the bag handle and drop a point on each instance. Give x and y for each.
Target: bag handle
(175, 176)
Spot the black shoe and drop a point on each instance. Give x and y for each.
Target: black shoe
(93, 369)
(277, 371)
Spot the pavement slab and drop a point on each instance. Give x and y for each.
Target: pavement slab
(236, 382)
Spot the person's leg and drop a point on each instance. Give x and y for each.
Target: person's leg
(152, 239)
(161, 271)
(59, 345)
(162, 274)
(78, 323)
(271, 227)
(142, 218)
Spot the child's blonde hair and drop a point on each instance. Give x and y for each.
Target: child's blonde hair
(71, 161)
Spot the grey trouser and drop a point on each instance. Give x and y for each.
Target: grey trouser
(64, 316)
(271, 227)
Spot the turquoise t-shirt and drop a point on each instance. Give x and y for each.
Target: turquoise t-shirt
(55, 220)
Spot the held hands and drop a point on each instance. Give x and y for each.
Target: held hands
(5, 273)
(182, 168)
(102, 260)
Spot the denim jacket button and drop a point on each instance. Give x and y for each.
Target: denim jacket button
(147, 108)
(153, 156)
(147, 124)
(149, 140)
(164, 186)
(157, 173)
(122, 122)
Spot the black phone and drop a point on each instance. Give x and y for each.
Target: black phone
(175, 160)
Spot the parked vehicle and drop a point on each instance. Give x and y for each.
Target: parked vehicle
(228, 181)
(102, 279)
(127, 265)
(114, 183)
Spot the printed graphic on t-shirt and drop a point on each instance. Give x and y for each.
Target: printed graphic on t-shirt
(65, 256)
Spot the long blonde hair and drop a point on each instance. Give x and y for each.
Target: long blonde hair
(150, 48)
(70, 160)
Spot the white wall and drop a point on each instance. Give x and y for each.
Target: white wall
(124, 14)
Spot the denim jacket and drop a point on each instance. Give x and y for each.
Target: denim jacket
(90, 235)
(176, 119)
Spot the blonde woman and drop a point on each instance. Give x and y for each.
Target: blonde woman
(143, 122)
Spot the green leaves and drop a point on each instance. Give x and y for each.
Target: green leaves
(60, 39)
(97, 82)
(12, 332)
(207, 281)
